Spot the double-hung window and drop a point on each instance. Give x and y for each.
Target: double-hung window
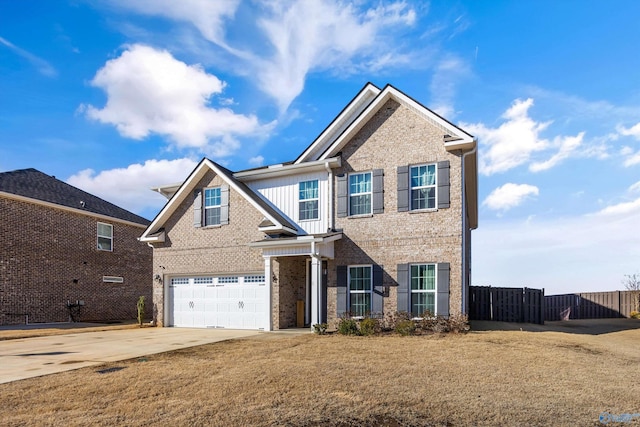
(423, 289)
(105, 237)
(360, 287)
(308, 200)
(423, 187)
(212, 203)
(360, 193)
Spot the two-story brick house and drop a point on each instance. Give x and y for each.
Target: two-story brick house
(375, 216)
(66, 254)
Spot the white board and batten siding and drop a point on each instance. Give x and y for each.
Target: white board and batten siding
(283, 193)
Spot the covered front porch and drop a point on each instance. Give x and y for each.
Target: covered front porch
(296, 268)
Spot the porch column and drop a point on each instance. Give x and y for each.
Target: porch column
(316, 289)
(268, 272)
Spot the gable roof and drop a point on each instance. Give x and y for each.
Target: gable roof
(274, 219)
(456, 138)
(35, 185)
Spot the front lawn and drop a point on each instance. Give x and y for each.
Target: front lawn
(481, 378)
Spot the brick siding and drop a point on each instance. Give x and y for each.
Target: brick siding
(48, 256)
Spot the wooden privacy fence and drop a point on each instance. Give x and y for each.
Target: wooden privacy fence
(589, 305)
(506, 304)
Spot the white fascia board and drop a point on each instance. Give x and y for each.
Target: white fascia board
(388, 93)
(167, 190)
(298, 241)
(317, 165)
(68, 209)
(188, 186)
(366, 96)
(157, 238)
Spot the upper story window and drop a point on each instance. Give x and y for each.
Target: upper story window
(308, 200)
(212, 203)
(423, 187)
(360, 193)
(423, 289)
(105, 237)
(360, 287)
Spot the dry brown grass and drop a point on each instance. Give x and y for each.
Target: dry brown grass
(482, 378)
(63, 328)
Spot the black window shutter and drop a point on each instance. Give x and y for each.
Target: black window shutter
(341, 300)
(342, 196)
(378, 191)
(197, 208)
(403, 288)
(403, 188)
(378, 291)
(443, 184)
(442, 290)
(224, 204)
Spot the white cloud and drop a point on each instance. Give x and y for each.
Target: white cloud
(509, 196)
(323, 35)
(635, 188)
(130, 187)
(256, 161)
(43, 66)
(446, 75)
(574, 254)
(149, 91)
(633, 131)
(623, 208)
(512, 143)
(567, 145)
(295, 37)
(632, 159)
(518, 138)
(206, 15)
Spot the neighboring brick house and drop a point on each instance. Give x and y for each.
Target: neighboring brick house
(68, 255)
(374, 217)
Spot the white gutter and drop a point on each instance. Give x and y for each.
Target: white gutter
(466, 275)
(330, 184)
(277, 170)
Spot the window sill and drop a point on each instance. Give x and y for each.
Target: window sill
(360, 216)
(309, 220)
(418, 211)
(211, 226)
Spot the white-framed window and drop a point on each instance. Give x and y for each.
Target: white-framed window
(105, 237)
(254, 279)
(423, 289)
(308, 200)
(360, 281)
(212, 203)
(228, 279)
(423, 187)
(360, 193)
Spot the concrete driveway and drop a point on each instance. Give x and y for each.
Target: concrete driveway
(33, 357)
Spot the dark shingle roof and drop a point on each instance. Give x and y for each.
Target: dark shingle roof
(34, 184)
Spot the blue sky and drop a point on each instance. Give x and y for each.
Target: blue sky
(117, 96)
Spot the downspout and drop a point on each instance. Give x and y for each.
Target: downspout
(330, 207)
(465, 273)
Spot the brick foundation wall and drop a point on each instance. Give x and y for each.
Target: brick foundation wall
(48, 256)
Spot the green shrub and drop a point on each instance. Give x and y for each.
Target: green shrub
(405, 327)
(320, 328)
(348, 326)
(391, 320)
(369, 326)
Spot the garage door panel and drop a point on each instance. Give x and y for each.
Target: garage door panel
(228, 302)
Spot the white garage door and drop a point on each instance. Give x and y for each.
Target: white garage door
(235, 302)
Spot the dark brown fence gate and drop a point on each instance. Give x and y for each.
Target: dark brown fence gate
(589, 305)
(506, 304)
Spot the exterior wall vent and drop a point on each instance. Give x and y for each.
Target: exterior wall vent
(112, 279)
